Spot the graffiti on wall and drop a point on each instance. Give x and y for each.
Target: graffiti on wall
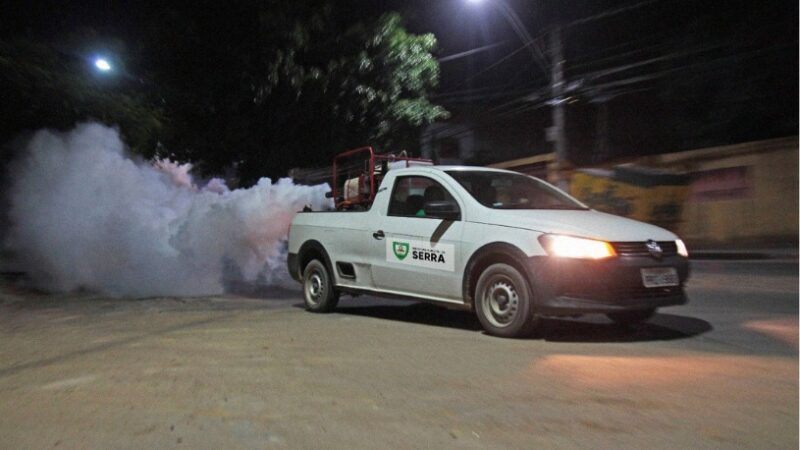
(638, 194)
(730, 183)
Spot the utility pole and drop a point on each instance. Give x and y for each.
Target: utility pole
(601, 152)
(557, 133)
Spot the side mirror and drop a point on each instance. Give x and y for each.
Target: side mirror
(329, 194)
(442, 209)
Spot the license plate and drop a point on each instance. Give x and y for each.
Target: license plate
(660, 277)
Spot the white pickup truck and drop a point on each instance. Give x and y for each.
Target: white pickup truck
(507, 246)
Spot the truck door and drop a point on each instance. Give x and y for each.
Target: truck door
(414, 253)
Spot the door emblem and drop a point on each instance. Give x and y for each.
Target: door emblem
(400, 250)
(654, 249)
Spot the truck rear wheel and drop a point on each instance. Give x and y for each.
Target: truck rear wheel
(503, 302)
(318, 291)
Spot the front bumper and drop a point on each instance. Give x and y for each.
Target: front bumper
(565, 286)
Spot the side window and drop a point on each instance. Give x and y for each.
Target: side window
(411, 193)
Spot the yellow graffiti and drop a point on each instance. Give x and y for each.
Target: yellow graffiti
(660, 205)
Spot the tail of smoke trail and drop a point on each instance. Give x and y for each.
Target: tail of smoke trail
(86, 216)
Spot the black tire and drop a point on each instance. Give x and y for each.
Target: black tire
(631, 317)
(318, 291)
(504, 303)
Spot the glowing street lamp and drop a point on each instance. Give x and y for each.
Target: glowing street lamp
(557, 83)
(102, 64)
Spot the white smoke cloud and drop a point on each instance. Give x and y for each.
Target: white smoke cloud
(85, 215)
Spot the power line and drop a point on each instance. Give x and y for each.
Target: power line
(470, 52)
(529, 95)
(600, 61)
(532, 44)
(650, 48)
(609, 13)
(703, 64)
(621, 85)
(485, 92)
(628, 43)
(525, 37)
(646, 62)
(492, 66)
(485, 96)
(469, 91)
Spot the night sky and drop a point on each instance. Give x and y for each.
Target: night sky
(726, 72)
(732, 62)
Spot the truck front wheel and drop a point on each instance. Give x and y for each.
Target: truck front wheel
(503, 302)
(318, 291)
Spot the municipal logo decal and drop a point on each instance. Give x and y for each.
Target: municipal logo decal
(400, 249)
(425, 254)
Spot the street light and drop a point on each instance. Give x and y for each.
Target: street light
(557, 132)
(102, 64)
(513, 20)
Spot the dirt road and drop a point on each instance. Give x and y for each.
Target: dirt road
(83, 371)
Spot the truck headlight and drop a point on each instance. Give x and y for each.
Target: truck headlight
(574, 247)
(682, 248)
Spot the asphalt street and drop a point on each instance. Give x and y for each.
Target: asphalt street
(257, 371)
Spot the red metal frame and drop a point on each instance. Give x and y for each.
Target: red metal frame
(372, 159)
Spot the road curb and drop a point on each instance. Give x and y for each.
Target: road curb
(740, 255)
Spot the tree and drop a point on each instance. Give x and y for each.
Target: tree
(259, 86)
(267, 88)
(43, 87)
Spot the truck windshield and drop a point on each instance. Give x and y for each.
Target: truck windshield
(501, 190)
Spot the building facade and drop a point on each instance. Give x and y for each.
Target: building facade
(742, 194)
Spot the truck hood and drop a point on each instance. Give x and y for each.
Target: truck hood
(582, 223)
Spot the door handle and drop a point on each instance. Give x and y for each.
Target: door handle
(378, 235)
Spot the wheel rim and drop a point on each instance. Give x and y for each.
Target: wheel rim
(500, 302)
(315, 287)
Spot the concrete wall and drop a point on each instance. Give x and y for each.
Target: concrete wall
(762, 201)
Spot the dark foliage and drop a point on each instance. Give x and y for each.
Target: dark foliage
(256, 86)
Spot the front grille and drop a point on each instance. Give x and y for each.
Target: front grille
(669, 248)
